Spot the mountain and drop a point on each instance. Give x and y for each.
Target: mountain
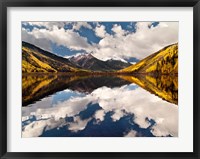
(165, 61)
(88, 61)
(34, 59)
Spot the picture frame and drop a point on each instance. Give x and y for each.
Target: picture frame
(195, 4)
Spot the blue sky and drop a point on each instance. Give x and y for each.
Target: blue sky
(105, 40)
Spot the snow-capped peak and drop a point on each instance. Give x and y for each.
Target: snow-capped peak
(78, 55)
(111, 58)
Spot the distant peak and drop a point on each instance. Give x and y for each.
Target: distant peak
(110, 59)
(82, 55)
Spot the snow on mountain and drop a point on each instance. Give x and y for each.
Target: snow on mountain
(88, 61)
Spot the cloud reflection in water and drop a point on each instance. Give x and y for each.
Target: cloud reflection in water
(128, 110)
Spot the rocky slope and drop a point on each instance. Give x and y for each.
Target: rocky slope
(88, 61)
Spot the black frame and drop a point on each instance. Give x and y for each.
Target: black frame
(98, 3)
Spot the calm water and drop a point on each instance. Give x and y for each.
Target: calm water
(88, 106)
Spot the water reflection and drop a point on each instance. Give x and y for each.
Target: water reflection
(165, 87)
(38, 86)
(99, 106)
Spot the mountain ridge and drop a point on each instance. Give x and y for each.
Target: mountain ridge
(35, 59)
(88, 61)
(164, 61)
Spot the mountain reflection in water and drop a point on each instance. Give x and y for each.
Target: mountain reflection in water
(99, 106)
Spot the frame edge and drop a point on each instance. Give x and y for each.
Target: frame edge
(3, 83)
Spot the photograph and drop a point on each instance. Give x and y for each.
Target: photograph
(99, 79)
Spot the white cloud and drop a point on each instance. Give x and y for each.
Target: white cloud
(100, 31)
(123, 44)
(49, 25)
(117, 115)
(99, 115)
(30, 38)
(60, 36)
(78, 124)
(117, 29)
(78, 25)
(131, 133)
(36, 128)
(45, 103)
(145, 41)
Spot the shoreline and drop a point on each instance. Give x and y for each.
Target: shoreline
(97, 73)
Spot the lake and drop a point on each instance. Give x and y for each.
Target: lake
(61, 105)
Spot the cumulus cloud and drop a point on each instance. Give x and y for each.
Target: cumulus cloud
(145, 41)
(78, 124)
(52, 24)
(36, 128)
(118, 114)
(78, 25)
(99, 115)
(41, 42)
(49, 25)
(100, 31)
(121, 44)
(131, 133)
(45, 103)
(59, 36)
(117, 29)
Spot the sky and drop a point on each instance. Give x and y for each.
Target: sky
(104, 40)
